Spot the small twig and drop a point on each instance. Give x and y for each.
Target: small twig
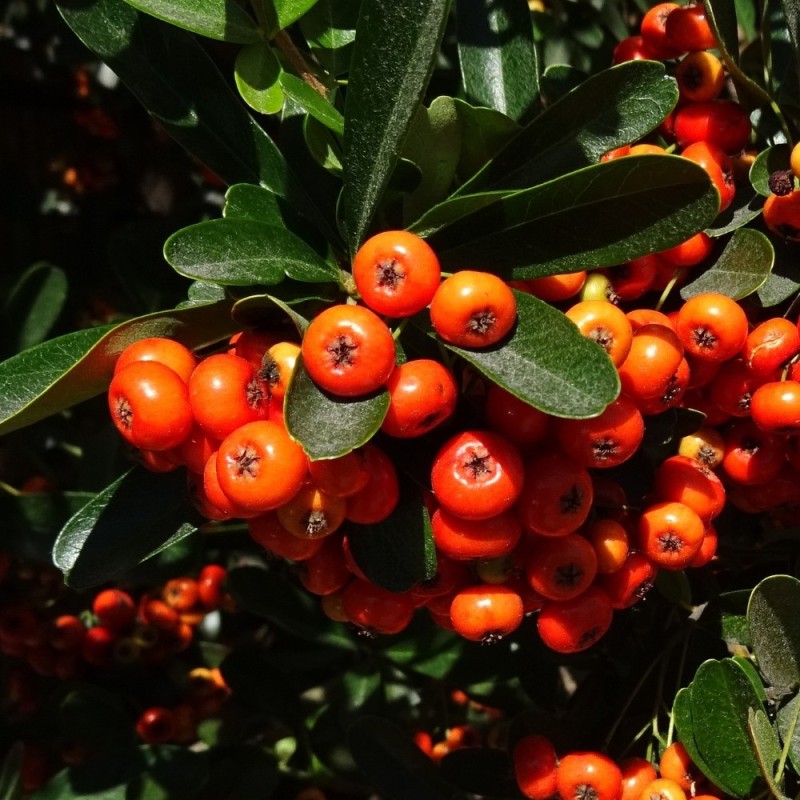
(298, 61)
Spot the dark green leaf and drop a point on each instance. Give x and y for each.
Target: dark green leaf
(32, 307)
(330, 30)
(548, 363)
(289, 11)
(393, 763)
(741, 269)
(484, 132)
(137, 516)
(61, 372)
(775, 630)
(788, 720)
(248, 201)
(10, 776)
(426, 649)
(498, 60)
(96, 717)
(396, 553)
(484, 771)
(218, 19)
(767, 750)
(243, 773)
(601, 215)
(791, 13)
(312, 102)
(285, 604)
(328, 426)
(722, 697)
(615, 107)
(560, 79)
(770, 160)
(745, 208)
(684, 722)
(394, 53)
(453, 209)
(784, 280)
(180, 86)
(726, 24)
(236, 251)
(257, 72)
(674, 586)
(172, 773)
(265, 309)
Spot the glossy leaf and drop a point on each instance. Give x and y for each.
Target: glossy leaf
(767, 749)
(548, 363)
(741, 269)
(311, 101)
(788, 721)
(248, 201)
(498, 60)
(399, 770)
(32, 307)
(768, 161)
(394, 54)
(136, 517)
(746, 207)
(775, 630)
(398, 552)
(179, 85)
(241, 252)
(257, 72)
(225, 20)
(289, 11)
(614, 107)
(330, 30)
(328, 426)
(61, 372)
(599, 216)
(684, 722)
(722, 697)
(285, 604)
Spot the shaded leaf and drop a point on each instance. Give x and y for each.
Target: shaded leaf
(745, 207)
(10, 774)
(237, 251)
(397, 552)
(741, 269)
(769, 160)
(426, 649)
(784, 280)
(218, 19)
(181, 87)
(137, 516)
(257, 72)
(285, 604)
(775, 630)
(330, 30)
(601, 215)
(64, 371)
(614, 107)
(393, 57)
(788, 721)
(328, 426)
(486, 771)
(312, 102)
(548, 363)
(722, 697)
(393, 763)
(289, 11)
(498, 60)
(767, 750)
(32, 307)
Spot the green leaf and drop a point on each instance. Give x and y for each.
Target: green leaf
(257, 72)
(722, 697)
(775, 630)
(498, 60)
(788, 721)
(745, 208)
(393, 763)
(236, 251)
(137, 516)
(32, 307)
(559, 80)
(784, 280)
(328, 426)
(767, 749)
(225, 20)
(548, 363)
(426, 649)
(10, 775)
(330, 30)
(434, 145)
(398, 552)
(741, 269)
(95, 716)
(172, 772)
(64, 371)
(599, 216)
(180, 86)
(248, 201)
(289, 11)
(727, 28)
(286, 604)
(684, 722)
(614, 107)
(484, 132)
(791, 13)
(768, 161)
(312, 102)
(394, 54)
